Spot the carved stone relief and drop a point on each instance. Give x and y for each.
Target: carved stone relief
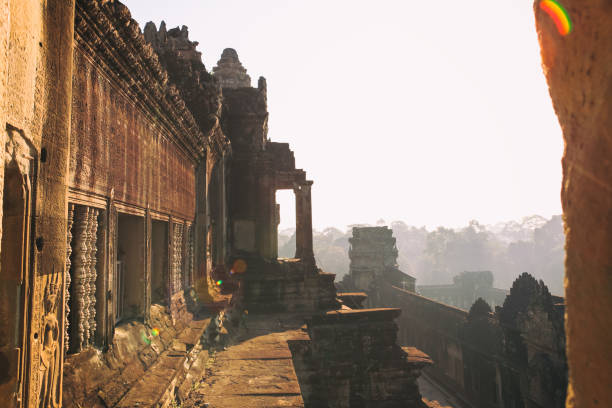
(177, 259)
(50, 353)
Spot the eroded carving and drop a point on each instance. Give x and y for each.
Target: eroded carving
(50, 352)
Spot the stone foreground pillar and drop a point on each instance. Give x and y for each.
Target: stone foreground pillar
(578, 68)
(303, 233)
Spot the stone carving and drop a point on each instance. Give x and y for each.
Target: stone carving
(67, 275)
(230, 72)
(176, 278)
(50, 352)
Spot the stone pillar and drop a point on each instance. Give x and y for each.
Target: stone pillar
(303, 233)
(578, 70)
(266, 216)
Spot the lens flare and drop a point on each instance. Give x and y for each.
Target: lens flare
(558, 14)
(219, 282)
(155, 332)
(145, 338)
(240, 266)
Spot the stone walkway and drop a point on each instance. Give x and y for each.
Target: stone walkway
(255, 372)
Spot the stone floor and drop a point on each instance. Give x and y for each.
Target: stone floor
(256, 371)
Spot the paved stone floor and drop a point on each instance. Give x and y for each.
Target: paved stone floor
(255, 372)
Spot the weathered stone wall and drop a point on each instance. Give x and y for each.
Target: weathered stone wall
(202, 95)
(35, 86)
(434, 328)
(578, 68)
(514, 357)
(466, 288)
(352, 360)
(119, 148)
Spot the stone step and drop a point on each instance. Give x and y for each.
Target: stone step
(172, 370)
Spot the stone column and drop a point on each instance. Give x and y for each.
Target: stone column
(303, 234)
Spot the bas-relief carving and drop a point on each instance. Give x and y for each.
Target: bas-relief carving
(49, 348)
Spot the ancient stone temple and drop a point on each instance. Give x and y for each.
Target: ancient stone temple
(373, 256)
(138, 253)
(139, 223)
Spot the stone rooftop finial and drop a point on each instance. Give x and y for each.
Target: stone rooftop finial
(230, 72)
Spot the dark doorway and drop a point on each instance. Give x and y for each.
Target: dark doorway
(130, 267)
(159, 262)
(14, 262)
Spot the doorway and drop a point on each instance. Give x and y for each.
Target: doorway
(130, 268)
(14, 262)
(159, 262)
(285, 223)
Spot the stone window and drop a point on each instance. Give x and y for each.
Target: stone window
(83, 265)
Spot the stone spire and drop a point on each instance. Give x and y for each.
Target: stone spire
(229, 71)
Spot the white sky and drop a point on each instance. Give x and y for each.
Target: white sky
(430, 112)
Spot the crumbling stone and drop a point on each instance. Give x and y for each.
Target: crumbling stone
(230, 72)
(373, 256)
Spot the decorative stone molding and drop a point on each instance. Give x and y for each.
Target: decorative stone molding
(106, 32)
(199, 89)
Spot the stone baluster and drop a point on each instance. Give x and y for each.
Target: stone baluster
(80, 260)
(86, 277)
(87, 285)
(67, 275)
(93, 273)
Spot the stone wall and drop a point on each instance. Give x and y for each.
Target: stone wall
(36, 41)
(513, 357)
(142, 152)
(466, 288)
(352, 360)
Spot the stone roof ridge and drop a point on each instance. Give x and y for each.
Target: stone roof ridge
(200, 90)
(107, 29)
(176, 38)
(230, 72)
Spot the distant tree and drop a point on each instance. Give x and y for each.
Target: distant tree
(479, 309)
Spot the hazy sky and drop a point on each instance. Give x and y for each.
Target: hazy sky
(430, 112)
